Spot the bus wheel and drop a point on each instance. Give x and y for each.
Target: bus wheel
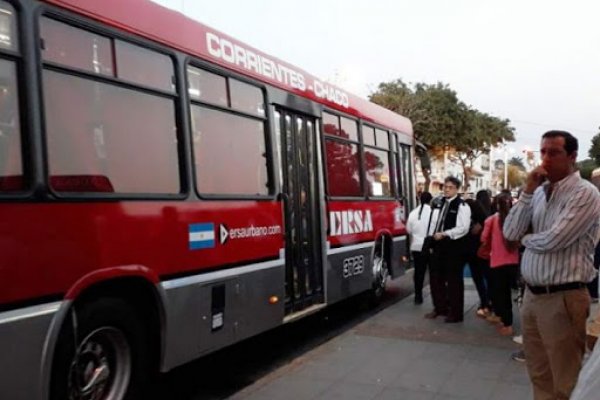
(101, 354)
(381, 274)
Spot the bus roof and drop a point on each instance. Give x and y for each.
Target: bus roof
(175, 30)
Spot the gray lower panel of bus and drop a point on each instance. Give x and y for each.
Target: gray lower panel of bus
(350, 268)
(210, 311)
(23, 335)
(349, 271)
(399, 250)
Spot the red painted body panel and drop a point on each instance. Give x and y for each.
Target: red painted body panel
(172, 28)
(46, 248)
(344, 228)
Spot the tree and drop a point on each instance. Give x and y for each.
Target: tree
(444, 123)
(517, 162)
(433, 110)
(594, 152)
(480, 132)
(586, 167)
(516, 177)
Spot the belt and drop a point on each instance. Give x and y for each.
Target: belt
(556, 288)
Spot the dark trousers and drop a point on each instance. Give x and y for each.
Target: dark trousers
(446, 279)
(593, 288)
(501, 279)
(420, 261)
(480, 272)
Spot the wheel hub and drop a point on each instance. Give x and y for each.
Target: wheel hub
(101, 367)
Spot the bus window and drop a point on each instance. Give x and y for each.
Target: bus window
(11, 165)
(246, 98)
(377, 169)
(368, 134)
(349, 129)
(331, 124)
(229, 152)
(382, 139)
(8, 28)
(207, 87)
(76, 48)
(146, 67)
(104, 138)
(343, 172)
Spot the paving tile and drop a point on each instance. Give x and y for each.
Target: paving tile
(468, 387)
(404, 394)
(323, 369)
(425, 375)
(504, 391)
(291, 387)
(351, 391)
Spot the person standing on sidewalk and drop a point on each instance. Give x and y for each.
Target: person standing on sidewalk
(504, 263)
(558, 223)
(449, 226)
(479, 267)
(417, 225)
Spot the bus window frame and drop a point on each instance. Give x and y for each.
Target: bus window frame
(389, 151)
(20, 59)
(267, 119)
(325, 137)
(46, 11)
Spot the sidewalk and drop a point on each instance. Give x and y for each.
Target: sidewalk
(398, 354)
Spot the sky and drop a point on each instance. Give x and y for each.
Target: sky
(534, 62)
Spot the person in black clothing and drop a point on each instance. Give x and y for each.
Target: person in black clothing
(478, 266)
(485, 200)
(449, 226)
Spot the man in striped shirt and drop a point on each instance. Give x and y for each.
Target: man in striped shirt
(557, 219)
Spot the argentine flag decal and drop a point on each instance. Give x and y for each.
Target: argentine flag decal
(202, 236)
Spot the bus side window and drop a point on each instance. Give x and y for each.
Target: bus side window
(104, 137)
(76, 48)
(11, 160)
(100, 130)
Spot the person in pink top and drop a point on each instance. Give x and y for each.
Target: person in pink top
(504, 263)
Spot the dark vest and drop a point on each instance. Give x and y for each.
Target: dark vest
(452, 214)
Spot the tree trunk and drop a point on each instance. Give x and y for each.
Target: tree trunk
(467, 182)
(426, 174)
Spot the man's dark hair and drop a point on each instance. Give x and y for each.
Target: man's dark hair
(571, 143)
(454, 181)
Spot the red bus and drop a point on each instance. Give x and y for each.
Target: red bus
(166, 190)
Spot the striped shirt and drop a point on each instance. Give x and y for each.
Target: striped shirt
(565, 230)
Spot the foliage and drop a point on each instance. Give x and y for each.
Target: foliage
(594, 152)
(444, 123)
(586, 167)
(517, 162)
(516, 177)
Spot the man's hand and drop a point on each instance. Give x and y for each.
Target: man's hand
(439, 235)
(534, 179)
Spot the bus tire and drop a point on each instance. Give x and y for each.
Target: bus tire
(381, 273)
(108, 357)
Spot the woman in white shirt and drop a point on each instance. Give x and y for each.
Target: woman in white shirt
(417, 224)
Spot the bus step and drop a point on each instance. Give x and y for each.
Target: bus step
(303, 313)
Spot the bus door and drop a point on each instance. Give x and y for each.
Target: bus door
(298, 154)
(406, 171)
